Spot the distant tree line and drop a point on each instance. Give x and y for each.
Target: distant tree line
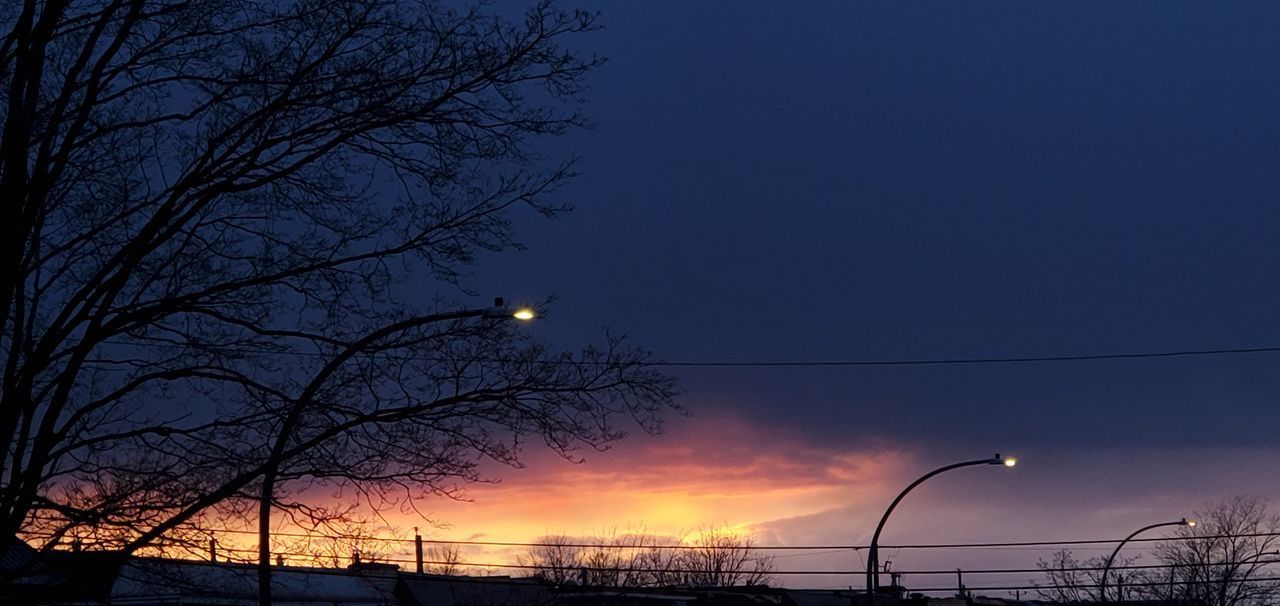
(713, 557)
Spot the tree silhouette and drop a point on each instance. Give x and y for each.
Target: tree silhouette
(1215, 561)
(1070, 580)
(714, 557)
(235, 234)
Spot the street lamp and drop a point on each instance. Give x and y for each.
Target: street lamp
(293, 417)
(500, 310)
(873, 553)
(1102, 583)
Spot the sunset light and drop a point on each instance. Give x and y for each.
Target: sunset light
(416, 303)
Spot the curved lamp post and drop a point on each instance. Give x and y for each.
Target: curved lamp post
(1102, 583)
(873, 552)
(1258, 555)
(499, 311)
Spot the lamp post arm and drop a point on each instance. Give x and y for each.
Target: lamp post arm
(873, 552)
(1102, 583)
(1222, 591)
(271, 468)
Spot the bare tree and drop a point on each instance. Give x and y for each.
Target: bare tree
(722, 558)
(337, 542)
(715, 558)
(1069, 580)
(234, 233)
(444, 558)
(658, 565)
(1215, 561)
(556, 560)
(629, 559)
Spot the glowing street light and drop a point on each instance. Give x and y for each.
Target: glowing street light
(873, 552)
(1102, 583)
(500, 311)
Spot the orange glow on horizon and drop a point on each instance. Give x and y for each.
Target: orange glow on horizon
(723, 476)
(729, 476)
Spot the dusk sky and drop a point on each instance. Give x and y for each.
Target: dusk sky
(293, 281)
(870, 181)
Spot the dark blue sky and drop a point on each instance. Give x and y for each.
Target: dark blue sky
(807, 181)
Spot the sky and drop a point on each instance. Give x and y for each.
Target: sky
(867, 181)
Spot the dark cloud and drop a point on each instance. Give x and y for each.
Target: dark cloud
(865, 181)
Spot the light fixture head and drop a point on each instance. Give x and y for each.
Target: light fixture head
(1191, 523)
(1001, 460)
(524, 313)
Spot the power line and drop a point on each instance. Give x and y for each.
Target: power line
(1060, 570)
(1077, 542)
(1127, 585)
(1038, 570)
(229, 553)
(835, 548)
(782, 363)
(526, 544)
(983, 360)
(524, 581)
(591, 568)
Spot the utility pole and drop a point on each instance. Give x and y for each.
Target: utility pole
(417, 541)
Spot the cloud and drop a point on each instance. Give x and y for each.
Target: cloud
(707, 471)
(723, 470)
